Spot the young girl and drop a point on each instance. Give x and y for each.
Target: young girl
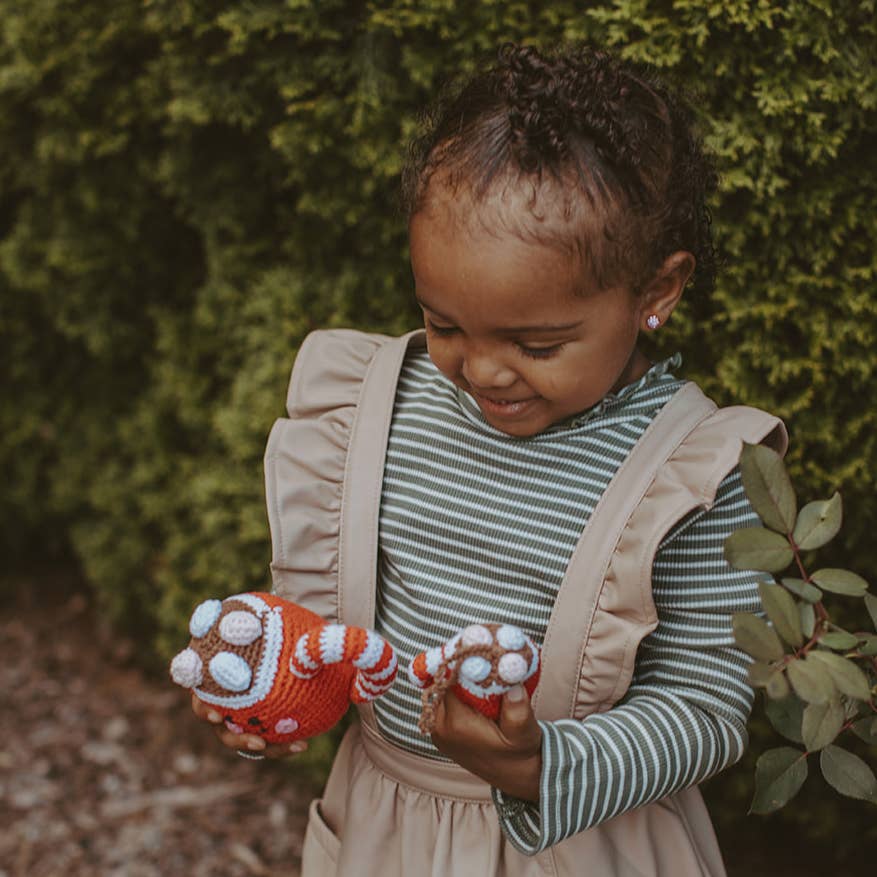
(522, 461)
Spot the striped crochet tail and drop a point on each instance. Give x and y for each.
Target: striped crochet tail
(422, 670)
(371, 654)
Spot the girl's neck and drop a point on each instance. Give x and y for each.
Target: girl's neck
(636, 367)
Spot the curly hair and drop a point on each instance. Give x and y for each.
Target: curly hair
(612, 145)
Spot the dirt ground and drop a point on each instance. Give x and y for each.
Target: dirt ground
(105, 773)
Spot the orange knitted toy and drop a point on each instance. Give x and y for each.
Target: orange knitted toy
(278, 670)
(479, 665)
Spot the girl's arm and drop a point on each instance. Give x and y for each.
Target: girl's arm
(684, 716)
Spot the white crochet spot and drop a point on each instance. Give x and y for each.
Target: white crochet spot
(434, 657)
(187, 668)
(231, 671)
(475, 668)
(512, 668)
(240, 628)
(204, 617)
(332, 643)
(477, 635)
(511, 637)
(371, 654)
(286, 726)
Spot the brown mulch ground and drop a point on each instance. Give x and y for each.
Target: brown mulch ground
(104, 771)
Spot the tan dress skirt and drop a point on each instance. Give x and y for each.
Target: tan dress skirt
(401, 814)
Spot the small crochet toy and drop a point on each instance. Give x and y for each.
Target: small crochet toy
(277, 670)
(479, 665)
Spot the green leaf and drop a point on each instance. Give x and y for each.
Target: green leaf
(803, 589)
(756, 637)
(777, 686)
(871, 606)
(822, 723)
(768, 487)
(787, 716)
(818, 523)
(782, 610)
(869, 645)
(770, 677)
(810, 680)
(848, 774)
(808, 618)
(759, 674)
(866, 729)
(846, 675)
(779, 774)
(757, 548)
(839, 640)
(840, 581)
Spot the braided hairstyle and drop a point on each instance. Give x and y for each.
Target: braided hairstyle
(602, 145)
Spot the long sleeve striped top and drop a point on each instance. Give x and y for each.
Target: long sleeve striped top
(476, 525)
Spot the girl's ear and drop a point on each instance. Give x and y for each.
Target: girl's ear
(664, 290)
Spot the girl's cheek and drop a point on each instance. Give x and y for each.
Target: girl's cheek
(442, 358)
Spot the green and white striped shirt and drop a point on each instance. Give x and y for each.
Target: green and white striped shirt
(476, 525)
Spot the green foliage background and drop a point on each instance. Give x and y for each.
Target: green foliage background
(189, 187)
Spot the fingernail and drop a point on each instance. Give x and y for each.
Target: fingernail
(516, 693)
(298, 746)
(213, 716)
(256, 744)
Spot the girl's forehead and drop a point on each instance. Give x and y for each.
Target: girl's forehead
(542, 213)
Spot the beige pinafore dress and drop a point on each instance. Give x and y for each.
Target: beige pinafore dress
(387, 812)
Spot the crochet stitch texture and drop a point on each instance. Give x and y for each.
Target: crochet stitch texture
(278, 670)
(479, 664)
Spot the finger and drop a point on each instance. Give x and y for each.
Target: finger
(517, 721)
(275, 750)
(246, 742)
(458, 718)
(204, 711)
(285, 750)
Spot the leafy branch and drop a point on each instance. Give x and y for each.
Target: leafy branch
(820, 679)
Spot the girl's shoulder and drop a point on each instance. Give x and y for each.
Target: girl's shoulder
(332, 364)
(700, 443)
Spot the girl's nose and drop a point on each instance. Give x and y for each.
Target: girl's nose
(485, 371)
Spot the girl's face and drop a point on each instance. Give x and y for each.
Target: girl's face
(508, 322)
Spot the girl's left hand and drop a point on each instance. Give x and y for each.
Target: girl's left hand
(507, 753)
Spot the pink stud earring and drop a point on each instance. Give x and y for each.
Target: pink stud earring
(653, 321)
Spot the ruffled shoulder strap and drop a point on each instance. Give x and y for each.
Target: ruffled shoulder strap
(604, 607)
(313, 476)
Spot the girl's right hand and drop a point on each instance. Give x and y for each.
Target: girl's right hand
(246, 744)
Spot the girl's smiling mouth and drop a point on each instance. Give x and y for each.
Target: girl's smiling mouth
(503, 407)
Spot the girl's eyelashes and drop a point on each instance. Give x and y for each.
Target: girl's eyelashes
(540, 352)
(440, 330)
(532, 352)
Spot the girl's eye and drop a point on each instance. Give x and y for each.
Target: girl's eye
(540, 352)
(439, 330)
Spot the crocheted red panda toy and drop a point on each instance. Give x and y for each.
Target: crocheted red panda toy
(479, 664)
(278, 670)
